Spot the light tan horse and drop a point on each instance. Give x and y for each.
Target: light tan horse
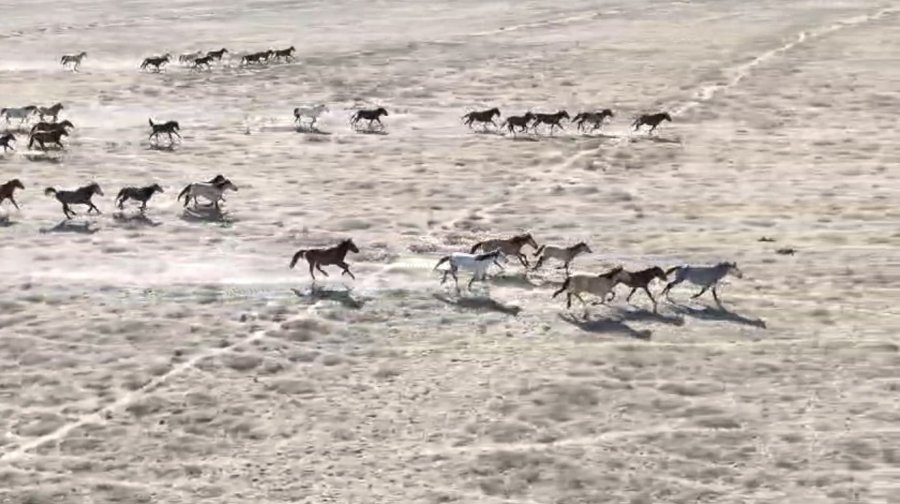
(509, 246)
(598, 285)
(564, 254)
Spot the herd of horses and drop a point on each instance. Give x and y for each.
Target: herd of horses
(198, 60)
(521, 123)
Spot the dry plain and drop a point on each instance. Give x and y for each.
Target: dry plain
(177, 359)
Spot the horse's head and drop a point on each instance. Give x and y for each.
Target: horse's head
(155, 188)
(583, 247)
(495, 112)
(82, 54)
(733, 269)
(223, 50)
(227, 185)
(62, 132)
(529, 240)
(563, 114)
(607, 113)
(16, 183)
(58, 106)
(94, 188)
(9, 136)
(166, 57)
(528, 116)
(348, 243)
(291, 49)
(381, 111)
(218, 179)
(658, 273)
(65, 123)
(667, 117)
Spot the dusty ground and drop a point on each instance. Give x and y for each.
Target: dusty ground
(168, 360)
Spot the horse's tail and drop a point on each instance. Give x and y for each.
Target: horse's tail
(441, 261)
(476, 247)
(184, 191)
(31, 141)
(672, 270)
(565, 286)
(297, 256)
(62, 60)
(539, 250)
(151, 122)
(49, 191)
(121, 195)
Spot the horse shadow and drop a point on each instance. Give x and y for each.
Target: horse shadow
(343, 297)
(519, 280)
(517, 138)
(5, 222)
(162, 148)
(642, 315)
(719, 313)
(68, 226)
(138, 219)
(606, 326)
(366, 131)
(491, 132)
(311, 130)
(205, 213)
(43, 157)
(656, 139)
(480, 304)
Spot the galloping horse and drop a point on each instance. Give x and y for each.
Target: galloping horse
(212, 191)
(313, 112)
(327, 256)
(553, 120)
(509, 246)
(703, 276)
(595, 118)
(564, 254)
(44, 137)
(50, 111)
(513, 122)
(599, 285)
(5, 139)
(21, 113)
(168, 127)
(73, 59)
(484, 117)
(478, 264)
(287, 54)
(142, 194)
(371, 115)
(641, 280)
(65, 124)
(652, 120)
(80, 196)
(7, 190)
(156, 61)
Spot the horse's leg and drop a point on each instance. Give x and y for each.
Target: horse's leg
(13, 201)
(347, 271)
(92, 207)
(633, 290)
(651, 297)
(695, 296)
(319, 267)
(538, 263)
(568, 300)
(469, 285)
(67, 210)
(669, 286)
(715, 295)
(311, 273)
(523, 259)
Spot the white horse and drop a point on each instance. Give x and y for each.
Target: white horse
(564, 254)
(52, 111)
(599, 285)
(313, 112)
(703, 276)
(73, 59)
(478, 264)
(22, 113)
(188, 58)
(211, 191)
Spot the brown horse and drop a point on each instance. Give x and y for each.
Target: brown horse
(509, 246)
(327, 256)
(45, 137)
(484, 117)
(641, 279)
(521, 122)
(652, 120)
(5, 139)
(7, 190)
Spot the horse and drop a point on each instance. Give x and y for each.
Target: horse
(44, 137)
(212, 191)
(168, 127)
(313, 112)
(187, 58)
(50, 111)
(484, 117)
(553, 120)
(5, 139)
(156, 61)
(21, 113)
(641, 279)
(7, 190)
(141, 194)
(703, 276)
(327, 257)
(369, 115)
(217, 55)
(65, 124)
(599, 285)
(74, 59)
(202, 61)
(652, 120)
(509, 246)
(478, 264)
(256, 57)
(564, 254)
(596, 118)
(287, 54)
(80, 196)
(513, 122)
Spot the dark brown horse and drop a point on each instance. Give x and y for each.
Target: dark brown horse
(641, 280)
(372, 115)
(509, 246)
(5, 139)
(65, 124)
(156, 61)
(216, 55)
(80, 196)
(287, 54)
(202, 62)
(168, 127)
(7, 190)
(552, 120)
(327, 256)
(45, 137)
(521, 122)
(595, 118)
(484, 117)
(652, 120)
(142, 194)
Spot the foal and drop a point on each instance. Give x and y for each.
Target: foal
(50, 111)
(54, 126)
(521, 122)
(599, 285)
(212, 191)
(652, 120)
(142, 194)
(369, 115)
(5, 139)
(44, 137)
(641, 279)
(168, 127)
(327, 256)
(704, 276)
(564, 254)
(156, 61)
(553, 120)
(80, 196)
(7, 190)
(484, 117)
(478, 264)
(73, 59)
(509, 246)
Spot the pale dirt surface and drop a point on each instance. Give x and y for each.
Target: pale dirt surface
(169, 361)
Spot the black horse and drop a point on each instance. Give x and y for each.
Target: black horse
(652, 120)
(142, 194)
(168, 127)
(372, 115)
(155, 61)
(521, 122)
(5, 139)
(80, 196)
(552, 120)
(484, 117)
